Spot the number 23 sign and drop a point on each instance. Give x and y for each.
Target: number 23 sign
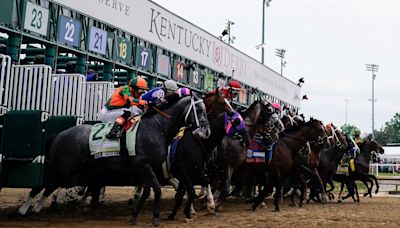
(69, 31)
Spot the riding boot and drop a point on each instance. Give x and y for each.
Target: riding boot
(115, 131)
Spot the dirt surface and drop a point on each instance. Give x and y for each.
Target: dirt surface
(114, 212)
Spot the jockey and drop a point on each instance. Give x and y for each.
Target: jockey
(230, 91)
(123, 103)
(167, 93)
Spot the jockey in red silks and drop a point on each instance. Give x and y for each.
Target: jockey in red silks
(230, 91)
(124, 103)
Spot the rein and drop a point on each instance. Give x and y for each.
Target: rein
(163, 114)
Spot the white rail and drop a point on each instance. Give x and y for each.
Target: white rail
(97, 94)
(5, 71)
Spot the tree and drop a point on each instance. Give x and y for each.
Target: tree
(390, 133)
(351, 130)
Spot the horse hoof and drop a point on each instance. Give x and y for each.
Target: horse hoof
(190, 221)
(339, 201)
(132, 221)
(211, 209)
(263, 205)
(171, 217)
(292, 205)
(156, 221)
(276, 210)
(254, 207)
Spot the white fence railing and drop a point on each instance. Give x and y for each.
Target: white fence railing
(374, 168)
(97, 94)
(67, 95)
(5, 71)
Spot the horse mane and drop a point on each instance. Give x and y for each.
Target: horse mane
(163, 106)
(250, 108)
(210, 94)
(297, 127)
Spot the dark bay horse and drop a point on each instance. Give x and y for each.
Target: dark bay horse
(192, 155)
(361, 162)
(69, 155)
(284, 156)
(231, 154)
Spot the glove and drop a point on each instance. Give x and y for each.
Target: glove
(183, 92)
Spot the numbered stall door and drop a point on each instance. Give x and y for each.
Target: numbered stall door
(5, 71)
(123, 50)
(67, 95)
(23, 148)
(96, 95)
(29, 88)
(97, 40)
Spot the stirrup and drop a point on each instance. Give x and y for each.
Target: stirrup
(112, 135)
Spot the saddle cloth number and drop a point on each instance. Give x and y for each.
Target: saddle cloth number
(99, 145)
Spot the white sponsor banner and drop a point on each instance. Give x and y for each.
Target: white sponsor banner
(157, 25)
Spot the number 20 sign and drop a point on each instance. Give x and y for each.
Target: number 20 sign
(69, 31)
(98, 40)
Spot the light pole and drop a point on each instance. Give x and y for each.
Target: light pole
(281, 54)
(373, 68)
(227, 31)
(347, 101)
(265, 4)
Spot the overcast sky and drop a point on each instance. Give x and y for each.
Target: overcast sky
(328, 42)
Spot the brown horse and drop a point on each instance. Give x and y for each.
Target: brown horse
(284, 156)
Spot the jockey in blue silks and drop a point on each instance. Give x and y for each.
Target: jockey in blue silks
(168, 93)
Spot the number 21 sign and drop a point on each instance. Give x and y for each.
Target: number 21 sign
(98, 40)
(69, 31)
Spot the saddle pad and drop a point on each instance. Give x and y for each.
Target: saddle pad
(256, 153)
(131, 133)
(99, 145)
(342, 169)
(171, 153)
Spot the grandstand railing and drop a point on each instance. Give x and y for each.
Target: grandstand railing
(374, 168)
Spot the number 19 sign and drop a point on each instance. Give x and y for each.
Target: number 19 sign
(97, 40)
(69, 31)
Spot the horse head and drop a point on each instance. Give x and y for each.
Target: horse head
(195, 115)
(335, 136)
(317, 131)
(216, 103)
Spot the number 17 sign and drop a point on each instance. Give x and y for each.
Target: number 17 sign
(97, 40)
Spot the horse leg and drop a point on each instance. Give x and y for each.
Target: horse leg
(356, 189)
(369, 188)
(157, 193)
(138, 206)
(191, 196)
(47, 192)
(178, 200)
(277, 195)
(94, 203)
(376, 182)
(341, 191)
(25, 207)
(260, 197)
(137, 192)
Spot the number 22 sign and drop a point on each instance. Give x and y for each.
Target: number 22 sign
(69, 31)
(98, 40)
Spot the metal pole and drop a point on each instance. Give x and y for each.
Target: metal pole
(229, 32)
(282, 65)
(346, 100)
(263, 31)
(373, 102)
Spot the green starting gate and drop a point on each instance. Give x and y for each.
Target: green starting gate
(39, 105)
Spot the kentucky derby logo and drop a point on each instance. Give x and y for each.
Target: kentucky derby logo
(217, 55)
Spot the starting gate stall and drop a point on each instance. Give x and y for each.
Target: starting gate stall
(97, 94)
(5, 70)
(40, 104)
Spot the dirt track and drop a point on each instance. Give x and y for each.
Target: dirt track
(375, 212)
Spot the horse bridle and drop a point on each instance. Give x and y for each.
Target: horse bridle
(192, 107)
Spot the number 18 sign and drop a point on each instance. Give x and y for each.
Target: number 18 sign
(69, 31)
(97, 40)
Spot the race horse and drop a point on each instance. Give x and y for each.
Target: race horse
(361, 162)
(284, 157)
(189, 165)
(69, 155)
(231, 154)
